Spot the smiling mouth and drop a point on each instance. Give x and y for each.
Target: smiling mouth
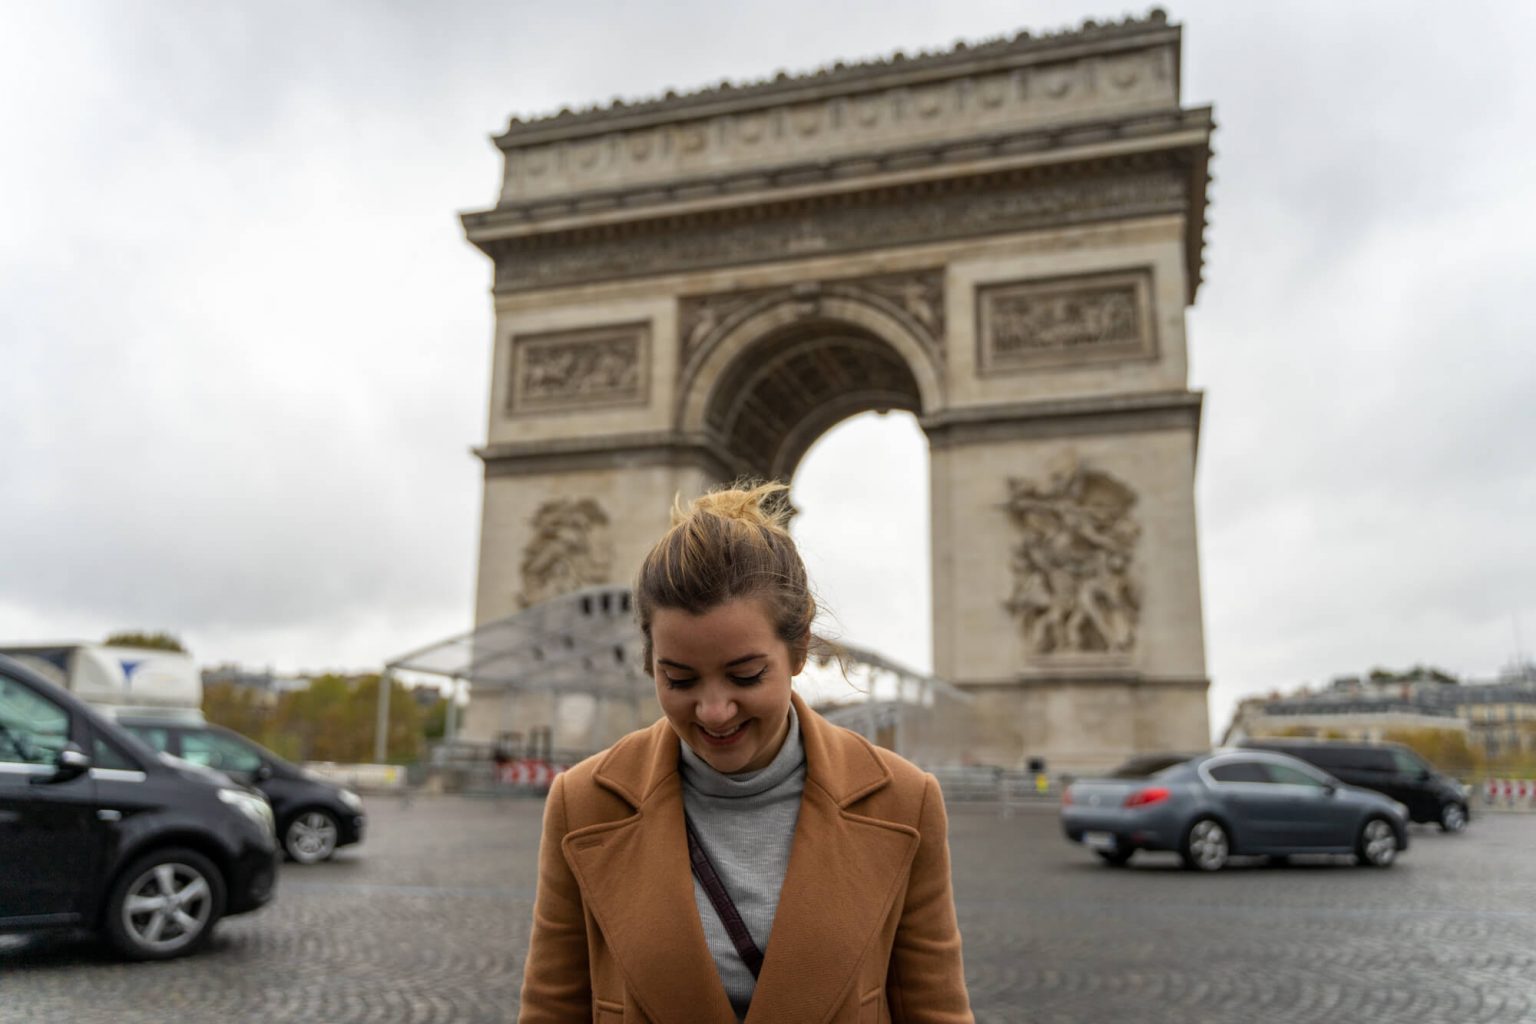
(723, 738)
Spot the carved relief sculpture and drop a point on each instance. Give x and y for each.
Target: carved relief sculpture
(569, 549)
(1074, 589)
(605, 366)
(1066, 321)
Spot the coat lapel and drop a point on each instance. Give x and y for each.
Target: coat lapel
(635, 879)
(845, 872)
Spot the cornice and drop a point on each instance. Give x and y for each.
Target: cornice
(1065, 417)
(1183, 129)
(1091, 37)
(944, 209)
(610, 451)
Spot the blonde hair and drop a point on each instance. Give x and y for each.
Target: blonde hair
(731, 543)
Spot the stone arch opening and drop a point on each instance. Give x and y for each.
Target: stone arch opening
(795, 384)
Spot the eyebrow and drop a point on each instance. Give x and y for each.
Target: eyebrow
(730, 664)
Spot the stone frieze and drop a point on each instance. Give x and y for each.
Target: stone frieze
(1065, 321)
(586, 368)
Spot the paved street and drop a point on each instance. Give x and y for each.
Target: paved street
(428, 922)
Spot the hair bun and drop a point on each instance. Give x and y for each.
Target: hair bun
(764, 505)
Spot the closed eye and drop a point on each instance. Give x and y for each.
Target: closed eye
(750, 680)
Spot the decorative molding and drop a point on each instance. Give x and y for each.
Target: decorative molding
(874, 219)
(916, 298)
(958, 58)
(569, 549)
(1064, 418)
(1075, 591)
(610, 452)
(1065, 322)
(581, 369)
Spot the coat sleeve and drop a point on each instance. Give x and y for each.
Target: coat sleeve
(926, 982)
(557, 987)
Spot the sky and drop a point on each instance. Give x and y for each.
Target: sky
(244, 347)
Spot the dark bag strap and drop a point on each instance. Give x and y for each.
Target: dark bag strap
(704, 871)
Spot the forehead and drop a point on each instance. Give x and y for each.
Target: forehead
(727, 631)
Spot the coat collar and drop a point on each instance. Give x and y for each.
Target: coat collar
(845, 871)
(842, 764)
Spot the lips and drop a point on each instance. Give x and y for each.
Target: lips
(726, 739)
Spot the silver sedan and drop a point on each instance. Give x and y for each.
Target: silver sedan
(1210, 807)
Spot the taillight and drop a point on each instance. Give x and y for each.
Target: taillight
(1150, 795)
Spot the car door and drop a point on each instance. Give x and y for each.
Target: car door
(48, 829)
(1308, 811)
(1241, 787)
(1415, 781)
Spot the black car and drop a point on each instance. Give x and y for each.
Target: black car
(1388, 768)
(314, 817)
(99, 832)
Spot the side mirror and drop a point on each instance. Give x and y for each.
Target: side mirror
(1330, 789)
(1425, 774)
(262, 773)
(71, 763)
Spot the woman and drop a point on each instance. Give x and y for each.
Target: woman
(741, 859)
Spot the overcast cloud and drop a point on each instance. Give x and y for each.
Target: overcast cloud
(244, 347)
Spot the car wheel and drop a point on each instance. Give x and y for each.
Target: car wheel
(1377, 845)
(1206, 846)
(165, 905)
(311, 837)
(1119, 857)
(1453, 817)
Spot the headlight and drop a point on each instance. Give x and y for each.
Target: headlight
(252, 806)
(351, 799)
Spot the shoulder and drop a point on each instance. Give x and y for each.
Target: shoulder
(903, 788)
(594, 789)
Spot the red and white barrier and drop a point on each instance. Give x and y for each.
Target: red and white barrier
(1515, 793)
(528, 772)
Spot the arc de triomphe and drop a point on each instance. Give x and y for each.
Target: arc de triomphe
(1000, 238)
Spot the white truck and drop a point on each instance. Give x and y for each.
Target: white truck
(117, 679)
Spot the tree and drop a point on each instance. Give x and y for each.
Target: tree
(148, 641)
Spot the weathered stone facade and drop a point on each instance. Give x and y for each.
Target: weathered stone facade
(1001, 239)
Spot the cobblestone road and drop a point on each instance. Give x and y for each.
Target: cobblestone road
(427, 922)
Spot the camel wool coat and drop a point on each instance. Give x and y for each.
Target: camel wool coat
(865, 928)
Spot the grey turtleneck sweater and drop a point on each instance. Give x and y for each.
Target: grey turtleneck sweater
(746, 824)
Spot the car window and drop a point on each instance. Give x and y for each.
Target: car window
(221, 752)
(153, 735)
(1407, 763)
(1286, 775)
(105, 754)
(1238, 771)
(33, 729)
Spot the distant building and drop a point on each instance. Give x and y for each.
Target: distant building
(1497, 717)
(264, 680)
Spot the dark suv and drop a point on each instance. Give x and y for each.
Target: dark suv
(1389, 768)
(99, 832)
(314, 817)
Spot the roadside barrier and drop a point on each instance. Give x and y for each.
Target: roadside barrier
(365, 778)
(1509, 794)
(527, 772)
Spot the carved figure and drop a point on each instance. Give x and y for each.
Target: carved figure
(569, 549)
(1073, 588)
(587, 369)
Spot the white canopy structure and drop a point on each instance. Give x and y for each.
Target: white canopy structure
(571, 669)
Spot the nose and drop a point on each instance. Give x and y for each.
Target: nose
(715, 709)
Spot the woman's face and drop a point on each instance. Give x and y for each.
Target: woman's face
(723, 682)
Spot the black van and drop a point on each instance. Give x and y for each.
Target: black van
(1388, 768)
(314, 817)
(99, 832)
